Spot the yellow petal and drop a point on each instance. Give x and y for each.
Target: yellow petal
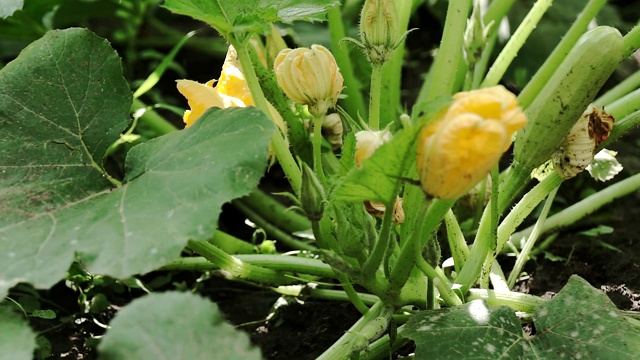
(200, 98)
(232, 81)
(459, 154)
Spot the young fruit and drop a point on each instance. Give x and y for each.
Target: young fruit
(572, 88)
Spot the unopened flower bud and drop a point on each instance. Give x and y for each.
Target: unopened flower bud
(367, 141)
(312, 198)
(332, 130)
(377, 209)
(578, 148)
(379, 32)
(309, 77)
(459, 149)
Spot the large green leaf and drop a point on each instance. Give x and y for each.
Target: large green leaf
(8, 7)
(62, 102)
(580, 322)
(173, 326)
(18, 341)
(380, 174)
(250, 15)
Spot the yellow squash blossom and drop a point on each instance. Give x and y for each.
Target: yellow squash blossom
(461, 147)
(230, 90)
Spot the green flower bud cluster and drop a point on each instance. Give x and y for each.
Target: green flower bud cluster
(379, 31)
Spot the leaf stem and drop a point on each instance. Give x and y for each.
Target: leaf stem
(515, 43)
(625, 105)
(317, 148)
(282, 263)
(570, 38)
(236, 267)
(523, 256)
(442, 74)
(152, 119)
(631, 42)
(427, 221)
(525, 206)
(376, 258)
(272, 229)
(374, 97)
(628, 85)
(368, 328)
(354, 103)
(275, 212)
(278, 143)
(392, 70)
(586, 206)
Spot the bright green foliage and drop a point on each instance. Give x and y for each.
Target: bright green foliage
(17, 341)
(580, 322)
(8, 7)
(173, 325)
(380, 174)
(62, 103)
(250, 15)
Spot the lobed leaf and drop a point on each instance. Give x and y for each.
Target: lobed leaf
(250, 15)
(173, 325)
(18, 341)
(63, 101)
(580, 322)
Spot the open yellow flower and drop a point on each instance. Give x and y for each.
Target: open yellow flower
(231, 90)
(459, 149)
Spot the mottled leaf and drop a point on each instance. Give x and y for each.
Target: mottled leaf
(250, 15)
(18, 341)
(62, 103)
(174, 326)
(580, 322)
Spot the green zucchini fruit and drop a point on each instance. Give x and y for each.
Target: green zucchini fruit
(568, 93)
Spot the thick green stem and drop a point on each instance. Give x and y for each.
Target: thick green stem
(338, 295)
(231, 244)
(631, 42)
(515, 300)
(278, 143)
(457, 243)
(525, 206)
(561, 50)
(426, 223)
(441, 283)
(531, 240)
(281, 263)
(371, 326)
(275, 212)
(587, 206)
(152, 119)
(621, 127)
(273, 230)
(516, 179)
(625, 105)
(372, 264)
(492, 233)
(317, 148)
(374, 97)
(515, 43)
(354, 103)
(441, 78)
(236, 267)
(392, 72)
(352, 294)
(628, 85)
